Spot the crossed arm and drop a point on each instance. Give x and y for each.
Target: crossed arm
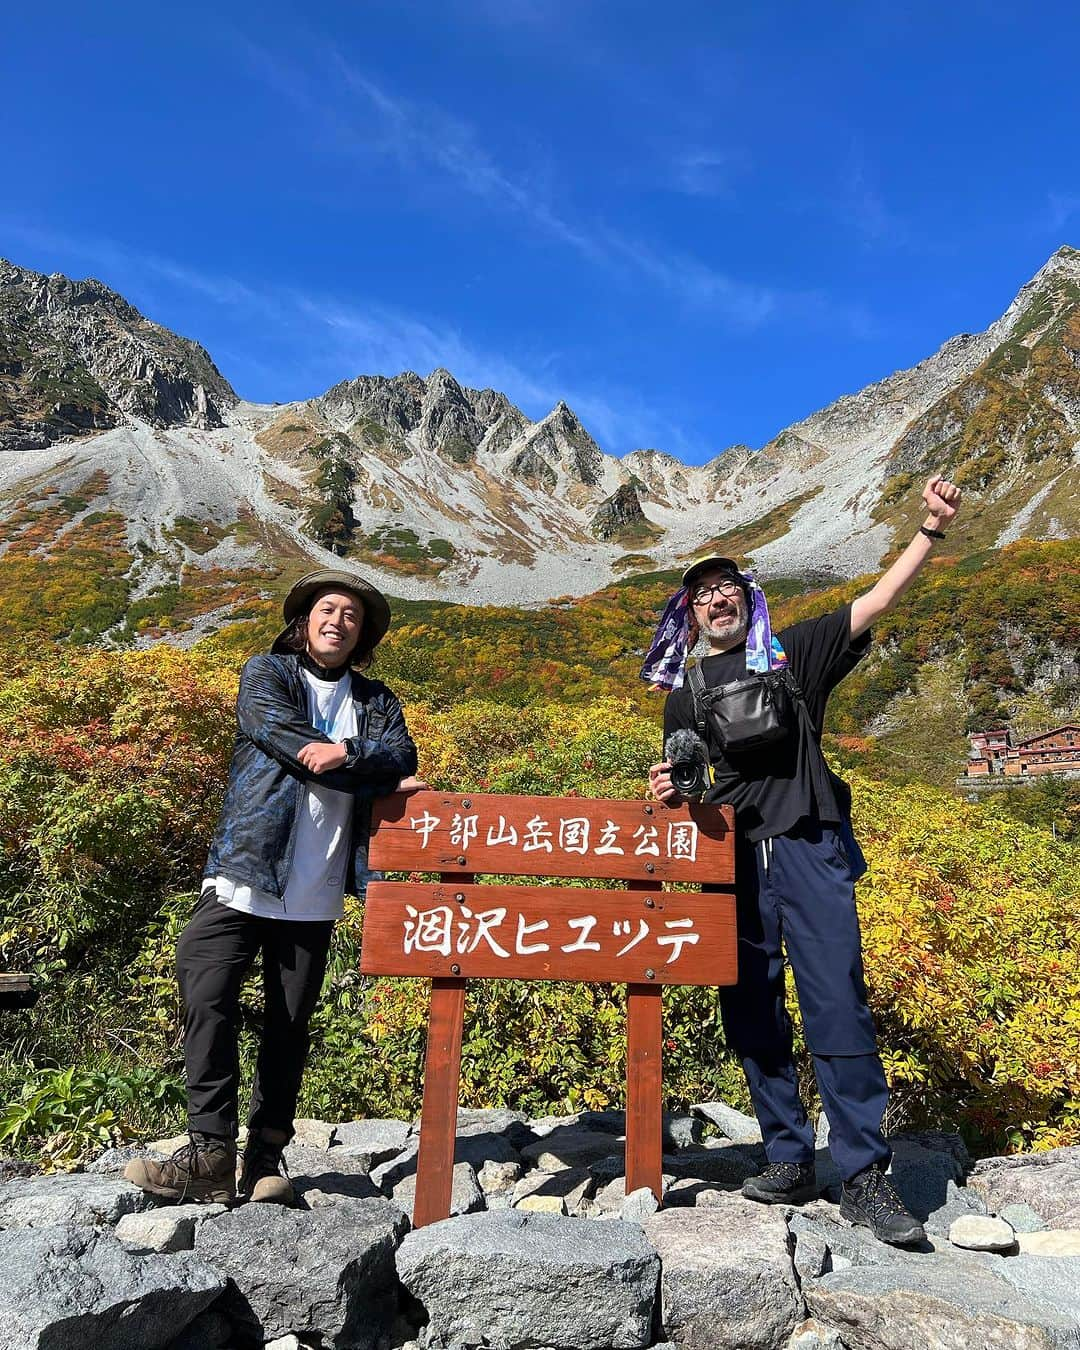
(268, 716)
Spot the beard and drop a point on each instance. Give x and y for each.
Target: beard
(726, 627)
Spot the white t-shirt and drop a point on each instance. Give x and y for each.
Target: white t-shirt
(315, 890)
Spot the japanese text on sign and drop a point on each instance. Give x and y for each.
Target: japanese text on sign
(447, 930)
(677, 840)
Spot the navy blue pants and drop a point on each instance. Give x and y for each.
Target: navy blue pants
(796, 891)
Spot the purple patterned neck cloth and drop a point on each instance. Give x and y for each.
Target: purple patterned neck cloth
(665, 663)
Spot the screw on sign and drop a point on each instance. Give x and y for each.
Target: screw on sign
(455, 929)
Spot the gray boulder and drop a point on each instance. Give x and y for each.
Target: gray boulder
(926, 1302)
(211, 1330)
(69, 1287)
(325, 1274)
(1052, 1280)
(734, 1125)
(114, 1160)
(513, 1125)
(574, 1185)
(76, 1198)
(922, 1176)
(329, 1174)
(682, 1132)
(729, 1165)
(475, 1149)
(466, 1197)
(568, 1148)
(960, 1202)
(376, 1140)
(514, 1279)
(169, 1229)
(1048, 1182)
(981, 1233)
(727, 1279)
(1022, 1218)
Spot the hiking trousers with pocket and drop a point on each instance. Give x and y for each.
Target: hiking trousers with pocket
(795, 891)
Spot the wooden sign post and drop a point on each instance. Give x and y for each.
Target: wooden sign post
(453, 930)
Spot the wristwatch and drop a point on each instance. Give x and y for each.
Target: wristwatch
(931, 534)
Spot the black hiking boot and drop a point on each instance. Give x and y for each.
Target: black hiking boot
(783, 1183)
(261, 1177)
(870, 1200)
(204, 1169)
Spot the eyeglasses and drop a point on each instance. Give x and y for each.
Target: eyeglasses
(728, 589)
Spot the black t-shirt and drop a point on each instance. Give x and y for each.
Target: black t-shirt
(775, 787)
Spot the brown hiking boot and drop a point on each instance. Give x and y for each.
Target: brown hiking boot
(261, 1178)
(203, 1170)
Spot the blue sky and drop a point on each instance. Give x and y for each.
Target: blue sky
(696, 222)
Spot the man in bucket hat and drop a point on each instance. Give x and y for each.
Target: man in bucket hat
(795, 863)
(316, 741)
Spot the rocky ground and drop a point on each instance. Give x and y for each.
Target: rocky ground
(544, 1249)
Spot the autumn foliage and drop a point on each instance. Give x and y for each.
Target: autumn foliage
(111, 772)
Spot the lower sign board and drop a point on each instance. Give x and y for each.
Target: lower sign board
(635, 936)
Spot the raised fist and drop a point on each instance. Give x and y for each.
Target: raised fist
(942, 498)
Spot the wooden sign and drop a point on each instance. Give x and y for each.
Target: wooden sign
(553, 837)
(453, 929)
(548, 933)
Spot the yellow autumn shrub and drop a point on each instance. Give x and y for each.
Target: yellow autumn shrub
(111, 770)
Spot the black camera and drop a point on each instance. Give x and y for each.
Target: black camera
(686, 753)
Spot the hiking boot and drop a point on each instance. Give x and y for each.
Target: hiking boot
(783, 1183)
(869, 1199)
(204, 1169)
(261, 1177)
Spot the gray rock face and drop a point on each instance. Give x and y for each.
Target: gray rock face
(922, 1176)
(1048, 1182)
(512, 1125)
(92, 356)
(475, 1149)
(334, 1172)
(727, 1279)
(114, 1160)
(514, 1279)
(69, 1288)
(466, 1197)
(1022, 1218)
(169, 1229)
(899, 1305)
(78, 1198)
(568, 1148)
(327, 1273)
(621, 511)
(575, 1186)
(378, 1140)
(638, 1205)
(980, 1233)
(727, 1166)
(734, 1125)
(313, 1133)
(959, 1202)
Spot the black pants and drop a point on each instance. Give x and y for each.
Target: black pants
(215, 952)
(795, 891)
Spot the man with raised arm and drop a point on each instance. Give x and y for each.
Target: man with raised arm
(316, 741)
(795, 858)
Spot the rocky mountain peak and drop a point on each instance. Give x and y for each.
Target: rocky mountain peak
(448, 423)
(75, 357)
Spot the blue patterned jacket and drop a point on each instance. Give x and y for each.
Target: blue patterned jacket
(256, 833)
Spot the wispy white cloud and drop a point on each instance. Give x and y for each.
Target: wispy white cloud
(330, 340)
(1061, 208)
(425, 140)
(703, 172)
